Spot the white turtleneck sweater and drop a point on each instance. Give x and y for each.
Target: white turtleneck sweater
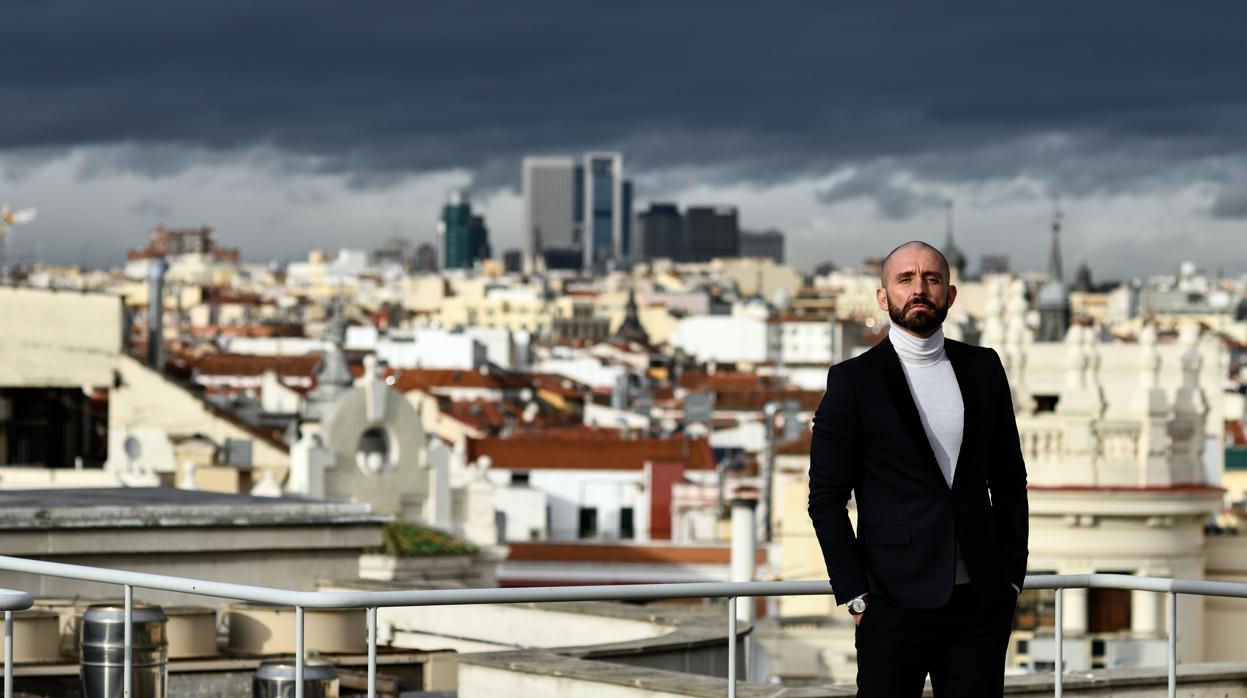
(933, 385)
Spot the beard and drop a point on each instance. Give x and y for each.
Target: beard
(924, 321)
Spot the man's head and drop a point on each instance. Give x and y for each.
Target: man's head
(916, 290)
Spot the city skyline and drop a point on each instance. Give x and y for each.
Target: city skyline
(847, 133)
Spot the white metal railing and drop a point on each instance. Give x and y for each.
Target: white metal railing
(370, 601)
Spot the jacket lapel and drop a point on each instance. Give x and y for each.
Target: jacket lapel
(894, 376)
(969, 399)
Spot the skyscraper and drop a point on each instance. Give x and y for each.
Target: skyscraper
(710, 232)
(553, 213)
(767, 244)
(608, 205)
(462, 238)
(660, 232)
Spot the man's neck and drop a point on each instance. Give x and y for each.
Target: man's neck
(914, 349)
(915, 334)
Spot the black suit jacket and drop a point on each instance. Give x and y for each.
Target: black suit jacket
(868, 440)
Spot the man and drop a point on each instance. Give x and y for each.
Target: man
(920, 429)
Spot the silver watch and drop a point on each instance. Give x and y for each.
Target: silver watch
(857, 606)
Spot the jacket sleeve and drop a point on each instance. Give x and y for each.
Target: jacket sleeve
(1007, 480)
(835, 468)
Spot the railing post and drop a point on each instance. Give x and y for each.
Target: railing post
(298, 652)
(8, 654)
(1173, 644)
(731, 647)
(1060, 643)
(372, 652)
(128, 651)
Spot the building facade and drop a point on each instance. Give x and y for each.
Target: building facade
(463, 239)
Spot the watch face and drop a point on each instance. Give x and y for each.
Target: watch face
(857, 605)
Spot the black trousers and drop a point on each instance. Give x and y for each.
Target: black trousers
(962, 646)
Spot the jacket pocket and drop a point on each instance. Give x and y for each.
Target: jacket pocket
(884, 535)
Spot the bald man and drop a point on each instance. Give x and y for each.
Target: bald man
(920, 431)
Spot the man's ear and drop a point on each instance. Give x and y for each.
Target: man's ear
(881, 296)
(952, 295)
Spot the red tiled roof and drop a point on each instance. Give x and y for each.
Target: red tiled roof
(408, 379)
(749, 400)
(799, 446)
(725, 380)
(246, 364)
(603, 453)
(1234, 429)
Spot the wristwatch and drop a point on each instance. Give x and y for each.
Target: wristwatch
(858, 606)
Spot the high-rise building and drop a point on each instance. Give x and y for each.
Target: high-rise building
(426, 258)
(711, 232)
(397, 251)
(576, 215)
(768, 244)
(608, 209)
(660, 232)
(462, 237)
(553, 213)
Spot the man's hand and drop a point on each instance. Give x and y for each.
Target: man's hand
(857, 619)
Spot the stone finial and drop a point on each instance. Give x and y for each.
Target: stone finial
(1189, 400)
(1149, 399)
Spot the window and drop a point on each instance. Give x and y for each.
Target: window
(519, 479)
(627, 529)
(374, 454)
(588, 527)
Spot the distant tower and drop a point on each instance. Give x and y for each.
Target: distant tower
(1053, 300)
(462, 238)
(956, 258)
(1054, 254)
(631, 330)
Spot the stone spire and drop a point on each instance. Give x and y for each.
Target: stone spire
(631, 330)
(956, 258)
(1054, 254)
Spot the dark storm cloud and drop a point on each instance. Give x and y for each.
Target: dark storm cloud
(1087, 97)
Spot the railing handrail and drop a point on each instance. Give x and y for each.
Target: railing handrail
(13, 600)
(604, 592)
(372, 600)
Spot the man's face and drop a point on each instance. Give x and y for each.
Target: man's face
(916, 291)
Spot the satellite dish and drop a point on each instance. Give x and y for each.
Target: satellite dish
(133, 448)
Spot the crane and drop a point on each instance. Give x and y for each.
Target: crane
(8, 218)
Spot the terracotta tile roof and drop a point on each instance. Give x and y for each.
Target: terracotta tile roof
(535, 453)
(246, 364)
(493, 417)
(797, 447)
(559, 385)
(725, 380)
(1234, 429)
(751, 400)
(215, 295)
(570, 433)
(407, 379)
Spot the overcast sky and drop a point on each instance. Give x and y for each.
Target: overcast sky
(295, 125)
